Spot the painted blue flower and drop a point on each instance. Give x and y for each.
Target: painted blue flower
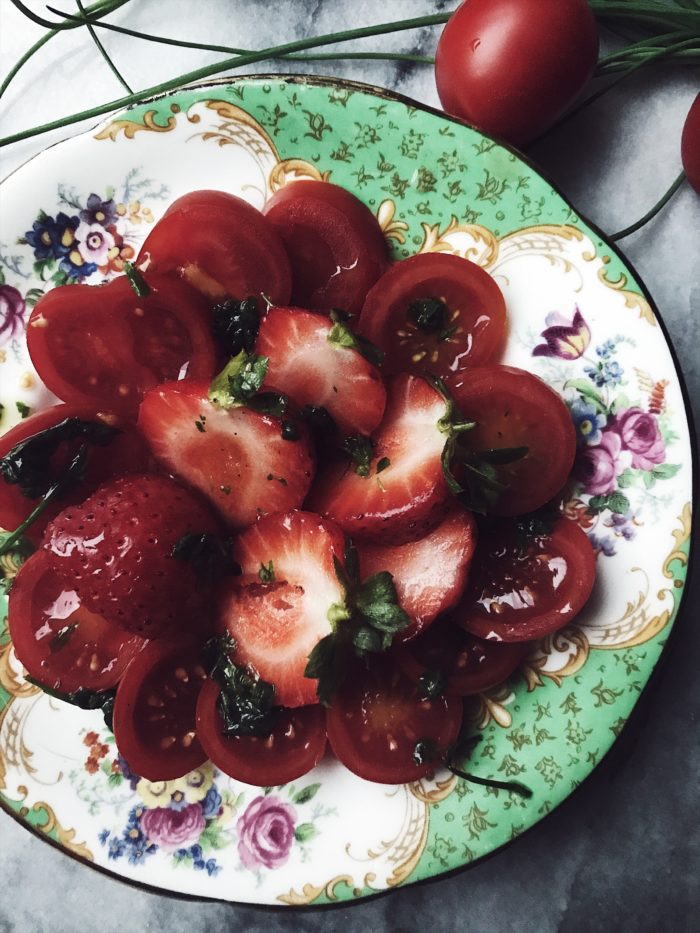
(211, 803)
(116, 848)
(177, 801)
(75, 267)
(606, 545)
(127, 773)
(52, 239)
(103, 836)
(613, 372)
(99, 211)
(608, 373)
(212, 868)
(605, 350)
(196, 852)
(588, 423)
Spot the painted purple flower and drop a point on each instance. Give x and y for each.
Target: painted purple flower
(598, 467)
(99, 211)
(588, 422)
(94, 243)
(606, 545)
(568, 340)
(639, 433)
(172, 829)
(266, 833)
(51, 238)
(12, 308)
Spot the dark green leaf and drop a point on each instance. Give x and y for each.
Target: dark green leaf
(23, 409)
(367, 640)
(305, 832)
(432, 684)
(28, 463)
(246, 703)
(209, 555)
(383, 464)
(269, 403)
(83, 699)
(327, 665)
(235, 325)
(340, 335)
(361, 450)
(136, 280)
(618, 503)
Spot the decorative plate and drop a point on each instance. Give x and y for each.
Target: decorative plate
(578, 317)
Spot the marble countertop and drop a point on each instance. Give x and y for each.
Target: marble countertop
(624, 852)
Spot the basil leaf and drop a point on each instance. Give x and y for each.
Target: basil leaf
(361, 450)
(239, 380)
(235, 325)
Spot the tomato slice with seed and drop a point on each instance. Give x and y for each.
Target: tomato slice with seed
(524, 588)
(154, 711)
(60, 643)
(515, 409)
(466, 664)
(127, 452)
(296, 744)
(378, 717)
(435, 313)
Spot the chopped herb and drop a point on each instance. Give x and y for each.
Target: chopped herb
(383, 464)
(62, 637)
(267, 573)
(426, 752)
(290, 432)
(235, 325)
(269, 403)
(199, 424)
(226, 490)
(327, 665)
(318, 419)
(340, 335)
(429, 315)
(361, 450)
(246, 703)
(83, 699)
(23, 409)
(27, 464)
(209, 555)
(238, 381)
(432, 684)
(270, 476)
(136, 280)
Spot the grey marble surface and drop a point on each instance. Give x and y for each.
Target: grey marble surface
(622, 854)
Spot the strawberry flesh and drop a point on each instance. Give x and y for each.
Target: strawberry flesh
(116, 550)
(408, 496)
(237, 458)
(276, 624)
(430, 574)
(312, 370)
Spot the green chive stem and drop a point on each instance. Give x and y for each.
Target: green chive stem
(660, 204)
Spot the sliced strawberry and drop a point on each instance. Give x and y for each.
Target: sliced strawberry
(311, 361)
(277, 623)
(404, 494)
(430, 574)
(116, 549)
(238, 458)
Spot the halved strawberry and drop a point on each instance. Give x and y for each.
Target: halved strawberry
(245, 462)
(403, 493)
(313, 360)
(429, 574)
(116, 549)
(278, 610)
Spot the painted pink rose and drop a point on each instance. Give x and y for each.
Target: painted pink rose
(639, 433)
(266, 833)
(173, 829)
(598, 467)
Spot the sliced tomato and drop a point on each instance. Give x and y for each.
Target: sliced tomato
(60, 643)
(521, 588)
(221, 245)
(514, 409)
(127, 452)
(435, 313)
(104, 346)
(429, 574)
(295, 745)
(155, 708)
(378, 717)
(464, 663)
(336, 246)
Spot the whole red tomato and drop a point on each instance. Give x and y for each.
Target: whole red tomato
(690, 145)
(510, 67)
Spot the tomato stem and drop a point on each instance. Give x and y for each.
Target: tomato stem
(660, 204)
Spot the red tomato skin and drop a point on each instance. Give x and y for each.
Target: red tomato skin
(378, 716)
(132, 706)
(510, 67)
(221, 245)
(41, 606)
(690, 145)
(316, 217)
(104, 346)
(261, 761)
(481, 335)
(502, 399)
(554, 611)
(126, 453)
